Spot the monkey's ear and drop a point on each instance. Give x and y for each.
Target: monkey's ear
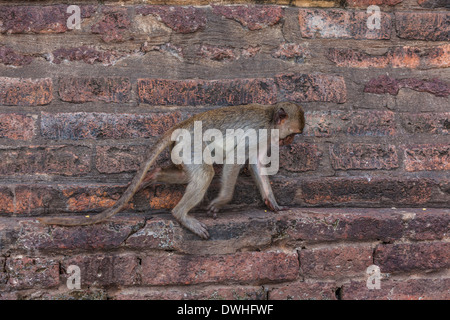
(279, 116)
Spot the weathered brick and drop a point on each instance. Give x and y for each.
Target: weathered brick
(354, 123)
(291, 52)
(432, 26)
(370, 192)
(115, 159)
(427, 157)
(6, 200)
(179, 19)
(300, 157)
(366, 3)
(102, 270)
(395, 57)
(252, 17)
(342, 24)
(234, 292)
(81, 90)
(34, 199)
(437, 56)
(335, 262)
(405, 257)
(86, 54)
(431, 224)
(352, 156)
(10, 57)
(386, 84)
(62, 160)
(25, 92)
(206, 92)
(399, 289)
(245, 267)
(114, 25)
(33, 235)
(351, 224)
(32, 273)
(304, 291)
(430, 123)
(434, 3)
(312, 87)
(17, 126)
(82, 125)
(217, 53)
(38, 19)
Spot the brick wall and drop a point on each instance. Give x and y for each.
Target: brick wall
(80, 108)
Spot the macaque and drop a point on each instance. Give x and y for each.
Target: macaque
(286, 118)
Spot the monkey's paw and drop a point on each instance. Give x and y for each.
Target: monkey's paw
(196, 227)
(275, 207)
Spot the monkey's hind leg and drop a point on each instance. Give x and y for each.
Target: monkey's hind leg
(200, 177)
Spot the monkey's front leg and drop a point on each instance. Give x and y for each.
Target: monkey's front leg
(263, 184)
(230, 173)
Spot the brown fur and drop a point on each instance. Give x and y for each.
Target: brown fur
(287, 117)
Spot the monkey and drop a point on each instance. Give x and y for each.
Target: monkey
(288, 118)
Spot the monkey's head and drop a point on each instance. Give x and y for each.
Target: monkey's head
(289, 119)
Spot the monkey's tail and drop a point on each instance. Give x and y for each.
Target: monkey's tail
(127, 195)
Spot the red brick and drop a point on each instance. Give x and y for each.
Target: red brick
(110, 235)
(405, 257)
(6, 200)
(82, 125)
(120, 158)
(245, 267)
(17, 126)
(252, 17)
(433, 3)
(291, 52)
(351, 224)
(114, 25)
(312, 87)
(366, 3)
(335, 262)
(81, 90)
(377, 191)
(234, 292)
(300, 157)
(352, 156)
(342, 24)
(102, 270)
(217, 53)
(438, 57)
(395, 57)
(34, 199)
(431, 26)
(430, 224)
(386, 84)
(399, 289)
(180, 19)
(25, 92)
(429, 123)
(86, 54)
(38, 19)
(9, 57)
(206, 92)
(354, 123)
(304, 291)
(32, 273)
(62, 160)
(427, 157)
